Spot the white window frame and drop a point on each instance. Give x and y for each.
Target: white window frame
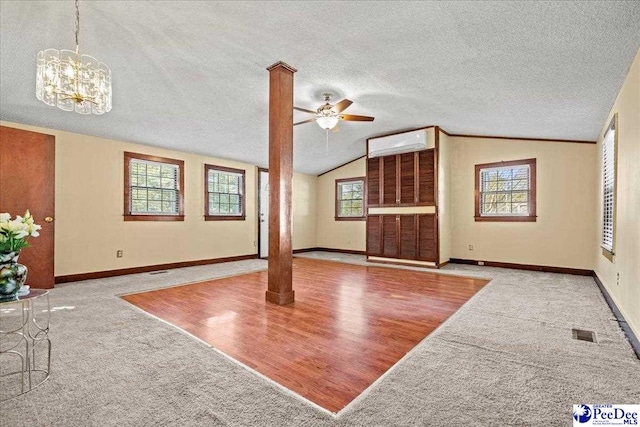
(529, 215)
(219, 216)
(131, 186)
(609, 181)
(338, 198)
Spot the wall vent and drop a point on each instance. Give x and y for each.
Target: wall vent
(584, 335)
(158, 272)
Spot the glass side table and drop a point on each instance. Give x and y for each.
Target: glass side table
(25, 348)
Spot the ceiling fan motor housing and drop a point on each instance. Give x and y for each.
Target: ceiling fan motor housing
(327, 110)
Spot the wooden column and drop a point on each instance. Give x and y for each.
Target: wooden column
(280, 286)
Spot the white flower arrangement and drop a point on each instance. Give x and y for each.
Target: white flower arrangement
(14, 234)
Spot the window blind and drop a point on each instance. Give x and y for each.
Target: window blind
(351, 199)
(608, 186)
(225, 193)
(153, 188)
(505, 191)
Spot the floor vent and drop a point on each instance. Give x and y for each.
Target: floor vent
(158, 272)
(582, 335)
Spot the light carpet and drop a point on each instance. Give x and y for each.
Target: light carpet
(505, 358)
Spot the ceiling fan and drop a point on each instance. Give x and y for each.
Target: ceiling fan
(327, 116)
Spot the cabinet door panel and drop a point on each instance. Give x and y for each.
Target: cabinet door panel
(389, 184)
(407, 178)
(408, 237)
(390, 236)
(427, 237)
(373, 181)
(374, 235)
(426, 177)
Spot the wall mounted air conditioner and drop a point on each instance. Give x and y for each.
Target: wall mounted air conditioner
(398, 143)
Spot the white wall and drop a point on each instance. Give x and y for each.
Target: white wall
(562, 234)
(625, 288)
(89, 210)
(304, 206)
(349, 235)
(445, 222)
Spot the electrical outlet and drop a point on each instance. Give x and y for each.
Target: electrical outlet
(348, 241)
(119, 253)
(470, 247)
(254, 243)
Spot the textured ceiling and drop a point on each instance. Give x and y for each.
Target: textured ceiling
(191, 75)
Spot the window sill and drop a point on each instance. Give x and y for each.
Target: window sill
(224, 218)
(608, 254)
(350, 218)
(154, 217)
(506, 218)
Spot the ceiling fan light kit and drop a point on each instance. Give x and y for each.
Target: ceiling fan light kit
(71, 81)
(328, 115)
(327, 122)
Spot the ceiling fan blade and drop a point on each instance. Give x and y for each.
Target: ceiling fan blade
(355, 118)
(336, 128)
(305, 121)
(304, 110)
(342, 105)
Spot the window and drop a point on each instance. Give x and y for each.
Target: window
(224, 193)
(609, 185)
(153, 188)
(506, 191)
(350, 199)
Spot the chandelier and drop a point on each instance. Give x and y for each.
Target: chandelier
(71, 81)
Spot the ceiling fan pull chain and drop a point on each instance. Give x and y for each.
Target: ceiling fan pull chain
(327, 133)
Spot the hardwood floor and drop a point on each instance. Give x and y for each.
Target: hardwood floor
(348, 325)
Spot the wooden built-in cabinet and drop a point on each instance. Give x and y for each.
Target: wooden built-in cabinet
(428, 237)
(407, 236)
(402, 180)
(373, 182)
(426, 192)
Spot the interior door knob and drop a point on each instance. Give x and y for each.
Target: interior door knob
(48, 219)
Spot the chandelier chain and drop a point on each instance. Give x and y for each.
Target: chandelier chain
(77, 26)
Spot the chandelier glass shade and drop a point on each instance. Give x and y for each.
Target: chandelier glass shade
(73, 82)
(70, 81)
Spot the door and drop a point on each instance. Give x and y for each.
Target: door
(428, 237)
(27, 181)
(407, 177)
(374, 235)
(263, 213)
(408, 237)
(389, 181)
(426, 178)
(373, 182)
(390, 225)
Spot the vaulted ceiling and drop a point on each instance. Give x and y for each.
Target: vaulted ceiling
(190, 75)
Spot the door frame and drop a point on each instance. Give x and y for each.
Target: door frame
(260, 170)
